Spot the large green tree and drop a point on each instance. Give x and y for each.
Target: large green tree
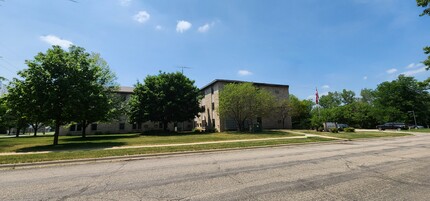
(23, 103)
(300, 112)
(395, 99)
(97, 101)
(166, 97)
(67, 85)
(332, 99)
(244, 102)
(7, 120)
(426, 5)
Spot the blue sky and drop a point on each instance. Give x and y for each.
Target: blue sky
(329, 44)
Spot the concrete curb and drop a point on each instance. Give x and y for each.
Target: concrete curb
(144, 156)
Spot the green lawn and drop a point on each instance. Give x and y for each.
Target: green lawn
(423, 130)
(44, 143)
(357, 135)
(132, 139)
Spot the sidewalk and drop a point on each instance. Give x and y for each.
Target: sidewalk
(304, 135)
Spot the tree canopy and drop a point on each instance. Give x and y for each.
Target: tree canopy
(62, 86)
(425, 4)
(166, 97)
(244, 102)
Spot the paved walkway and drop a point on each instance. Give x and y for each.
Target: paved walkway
(303, 136)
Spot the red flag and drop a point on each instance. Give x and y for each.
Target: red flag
(317, 97)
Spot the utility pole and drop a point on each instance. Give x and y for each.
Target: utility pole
(415, 119)
(182, 68)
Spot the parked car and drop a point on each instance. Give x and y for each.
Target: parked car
(342, 126)
(416, 127)
(392, 125)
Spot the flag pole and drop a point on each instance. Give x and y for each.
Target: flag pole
(317, 97)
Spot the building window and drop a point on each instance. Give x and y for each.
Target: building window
(279, 121)
(139, 126)
(213, 123)
(79, 127)
(213, 106)
(73, 127)
(93, 127)
(276, 91)
(212, 90)
(134, 126)
(121, 126)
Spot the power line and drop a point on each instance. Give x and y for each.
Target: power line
(9, 63)
(182, 68)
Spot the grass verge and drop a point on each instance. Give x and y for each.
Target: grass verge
(423, 130)
(66, 143)
(65, 155)
(358, 135)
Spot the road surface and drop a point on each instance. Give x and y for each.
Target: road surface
(377, 169)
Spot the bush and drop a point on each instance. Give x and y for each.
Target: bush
(320, 129)
(211, 130)
(334, 130)
(349, 130)
(198, 130)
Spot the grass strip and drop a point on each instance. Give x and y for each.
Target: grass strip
(44, 143)
(358, 135)
(67, 155)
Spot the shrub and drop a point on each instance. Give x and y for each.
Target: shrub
(198, 130)
(349, 129)
(320, 129)
(211, 130)
(334, 130)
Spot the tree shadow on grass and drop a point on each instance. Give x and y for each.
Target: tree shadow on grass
(170, 133)
(99, 138)
(72, 146)
(259, 133)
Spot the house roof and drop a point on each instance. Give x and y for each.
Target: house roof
(239, 81)
(123, 89)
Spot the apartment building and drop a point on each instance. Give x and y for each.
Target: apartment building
(210, 119)
(121, 125)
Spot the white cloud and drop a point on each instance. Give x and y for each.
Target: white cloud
(183, 26)
(365, 78)
(158, 27)
(414, 65)
(141, 17)
(244, 72)
(204, 28)
(414, 72)
(410, 66)
(325, 87)
(124, 2)
(55, 40)
(391, 71)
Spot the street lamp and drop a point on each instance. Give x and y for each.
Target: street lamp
(415, 120)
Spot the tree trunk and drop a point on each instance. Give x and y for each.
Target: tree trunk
(239, 126)
(17, 132)
(57, 132)
(35, 127)
(165, 124)
(283, 123)
(84, 129)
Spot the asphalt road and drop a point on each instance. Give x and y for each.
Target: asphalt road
(381, 169)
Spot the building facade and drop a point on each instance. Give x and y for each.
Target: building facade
(121, 125)
(210, 119)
